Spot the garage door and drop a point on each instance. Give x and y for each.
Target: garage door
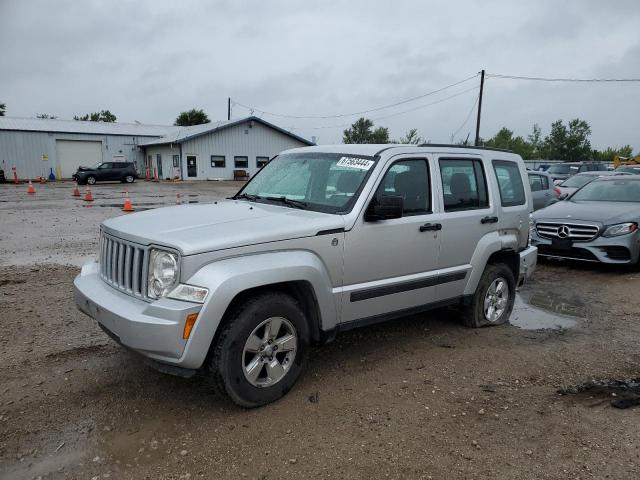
(74, 153)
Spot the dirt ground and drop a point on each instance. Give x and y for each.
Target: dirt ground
(421, 397)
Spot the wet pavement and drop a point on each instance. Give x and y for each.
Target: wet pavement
(52, 226)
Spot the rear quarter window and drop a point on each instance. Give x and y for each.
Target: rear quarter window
(509, 183)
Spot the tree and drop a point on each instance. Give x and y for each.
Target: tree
(361, 132)
(608, 154)
(505, 140)
(555, 143)
(46, 116)
(192, 117)
(536, 141)
(411, 138)
(3, 107)
(101, 116)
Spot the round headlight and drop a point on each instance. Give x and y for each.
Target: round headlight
(163, 273)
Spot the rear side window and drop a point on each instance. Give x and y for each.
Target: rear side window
(509, 183)
(545, 182)
(463, 184)
(410, 180)
(535, 181)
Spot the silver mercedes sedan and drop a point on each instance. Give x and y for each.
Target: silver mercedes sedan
(596, 223)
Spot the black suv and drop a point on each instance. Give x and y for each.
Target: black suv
(106, 171)
(561, 171)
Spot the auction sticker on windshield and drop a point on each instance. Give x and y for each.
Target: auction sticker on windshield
(354, 162)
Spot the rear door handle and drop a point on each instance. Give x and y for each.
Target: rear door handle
(429, 227)
(489, 220)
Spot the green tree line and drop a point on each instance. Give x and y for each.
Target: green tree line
(568, 142)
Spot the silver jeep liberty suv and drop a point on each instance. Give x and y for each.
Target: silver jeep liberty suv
(323, 239)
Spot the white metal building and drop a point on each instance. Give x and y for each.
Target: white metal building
(214, 150)
(37, 147)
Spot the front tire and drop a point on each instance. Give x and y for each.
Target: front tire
(91, 180)
(493, 300)
(261, 350)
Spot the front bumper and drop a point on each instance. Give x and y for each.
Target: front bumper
(151, 329)
(622, 250)
(528, 262)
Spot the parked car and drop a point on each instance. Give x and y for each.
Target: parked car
(561, 171)
(597, 223)
(633, 169)
(579, 180)
(106, 171)
(543, 191)
(321, 240)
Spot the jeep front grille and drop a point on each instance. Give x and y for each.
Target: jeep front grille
(123, 265)
(572, 231)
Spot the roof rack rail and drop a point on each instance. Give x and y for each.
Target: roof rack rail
(465, 146)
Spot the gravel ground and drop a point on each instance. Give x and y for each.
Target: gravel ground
(421, 397)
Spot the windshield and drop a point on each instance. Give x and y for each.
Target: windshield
(563, 169)
(578, 181)
(609, 191)
(324, 182)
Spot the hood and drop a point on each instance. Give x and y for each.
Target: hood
(85, 169)
(601, 212)
(226, 224)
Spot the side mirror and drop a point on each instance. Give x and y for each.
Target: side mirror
(563, 196)
(389, 206)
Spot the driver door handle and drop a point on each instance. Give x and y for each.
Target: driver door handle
(430, 227)
(489, 220)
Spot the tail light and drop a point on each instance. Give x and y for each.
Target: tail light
(557, 190)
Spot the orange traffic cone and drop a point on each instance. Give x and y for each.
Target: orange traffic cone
(88, 197)
(127, 207)
(76, 190)
(30, 188)
(178, 199)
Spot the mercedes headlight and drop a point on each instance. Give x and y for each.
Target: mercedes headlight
(620, 229)
(163, 273)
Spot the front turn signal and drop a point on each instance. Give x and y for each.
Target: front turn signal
(188, 325)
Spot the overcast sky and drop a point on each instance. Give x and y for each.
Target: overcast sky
(148, 60)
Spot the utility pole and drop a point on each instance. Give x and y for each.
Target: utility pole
(479, 109)
(229, 107)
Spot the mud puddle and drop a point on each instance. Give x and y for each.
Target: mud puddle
(619, 393)
(545, 311)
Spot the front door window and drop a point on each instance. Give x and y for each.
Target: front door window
(192, 166)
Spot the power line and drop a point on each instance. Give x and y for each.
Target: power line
(475, 102)
(546, 79)
(376, 109)
(391, 115)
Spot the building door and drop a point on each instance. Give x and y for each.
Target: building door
(75, 153)
(159, 165)
(192, 166)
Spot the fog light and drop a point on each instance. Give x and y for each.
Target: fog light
(188, 325)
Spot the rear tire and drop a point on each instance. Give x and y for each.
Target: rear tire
(243, 362)
(493, 300)
(128, 179)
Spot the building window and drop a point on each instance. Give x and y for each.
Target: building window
(463, 184)
(176, 161)
(261, 161)
(241, 162)
(218, 161)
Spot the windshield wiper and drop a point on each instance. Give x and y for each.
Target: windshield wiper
(246, 196)
(288, 201)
